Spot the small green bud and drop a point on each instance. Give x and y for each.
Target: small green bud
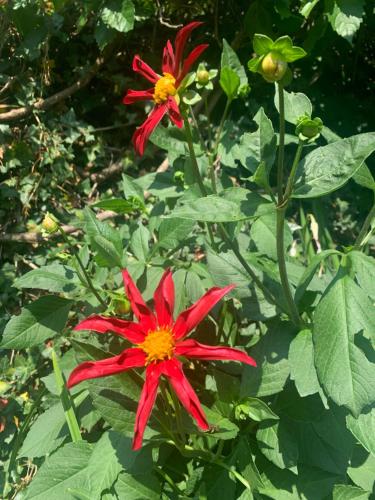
(203, 76)
(273, 67)
(121, 306)
(308, 129)
(50, 224)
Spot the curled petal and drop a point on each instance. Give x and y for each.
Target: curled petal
(180, 42)
(174, 112)
(168, 59)
(101, 324)
(138, 305)
(141, 135)
(185, 392)
(190, 60)
(144, 69)
(164, 299)
(138, 95)
(130, 358)
(193, 349)
(191, 317)
(146, 402)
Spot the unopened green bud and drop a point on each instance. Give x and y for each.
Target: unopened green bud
(121, 306)
(203, 76)
(50, 224)
(273, 67)
(308, 129)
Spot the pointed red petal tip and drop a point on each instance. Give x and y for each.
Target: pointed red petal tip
(144, 69)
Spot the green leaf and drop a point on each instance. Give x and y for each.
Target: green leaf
(255, 409)
(64, 470)
(38, 321)
(52, 426)
(137, 486)
(139, 242)
(362, 467)
(363, 429)
(223, 428)
(363, 267)
(259, 146)
(346, 17)
(173, 231)
(231, 205)
(54, 278)
(263, 235)
(296, 105)
(262, 44)
(310, 271)
(230, 59)
(119, 15)
(346, 374)
(364, 177)
(160, 184)
(107, 252)
(307, 8)
(271, 355)
(302, 368)
(131, 188)
(229, 82)
(329, 167)
(278, 444)
(347, 492)
(117, 205)
(94, 228)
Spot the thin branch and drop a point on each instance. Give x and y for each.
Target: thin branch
(43, 104)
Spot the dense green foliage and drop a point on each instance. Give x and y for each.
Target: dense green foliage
(301, 424)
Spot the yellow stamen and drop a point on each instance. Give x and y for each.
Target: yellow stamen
(158, 345)
(164, 87)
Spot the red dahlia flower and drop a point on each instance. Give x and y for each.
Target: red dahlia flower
(165, 90)
(160, 341)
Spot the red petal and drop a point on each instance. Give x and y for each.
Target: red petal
(139, 308)
(190, 60)
(138, 95)
(130, 358)
(168, 59)
(164, 299)
(146, 402)
(191, 317)
(144, 69)
(143, 132)
(174, 112)
(180, 42)
(185, 392)
(101, 324)
(193, 349)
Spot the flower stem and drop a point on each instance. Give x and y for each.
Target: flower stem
(280, 157)
(88, 283)
(361, 238)
(194, 162)
(213, 156)
(290, 183)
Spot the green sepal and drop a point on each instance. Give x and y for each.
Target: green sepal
(254, 64)
(290, 52)
(262, 44)
(308, 129)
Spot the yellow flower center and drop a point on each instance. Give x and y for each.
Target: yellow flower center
(164, 87)
(158, 345)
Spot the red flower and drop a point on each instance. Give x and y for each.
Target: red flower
(165, 90)
(160, 341)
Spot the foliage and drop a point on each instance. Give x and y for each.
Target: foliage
(300, 425)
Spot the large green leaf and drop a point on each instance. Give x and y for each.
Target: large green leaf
(363, 429)
(54, 278)
(119, 15)
(347, 492)
(230, 59)
(346, 374)
(278, 444)
(263, 235)
(137, 486)
(139, 242)
(258, 146)
(229, 82)
(346, 16)
(231, 205)
(63, 471)
(363, 267)
(107, 253)
(271, 355)
(361, 469)
(329, 167)
(173, 231)
(38, 321)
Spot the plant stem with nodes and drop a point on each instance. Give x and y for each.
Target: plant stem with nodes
(362, 236)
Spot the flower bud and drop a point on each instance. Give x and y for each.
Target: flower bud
(308, 129)
(121, 306)
(50, 224)
(203, 76)
(273, 67)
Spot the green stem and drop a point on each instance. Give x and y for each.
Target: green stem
(293, 311)
(290, 183)
(197, 128)
(361, 238)
(193, 157)
(88, 283)
(66, 401)
(213, 156)
(280, 157)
